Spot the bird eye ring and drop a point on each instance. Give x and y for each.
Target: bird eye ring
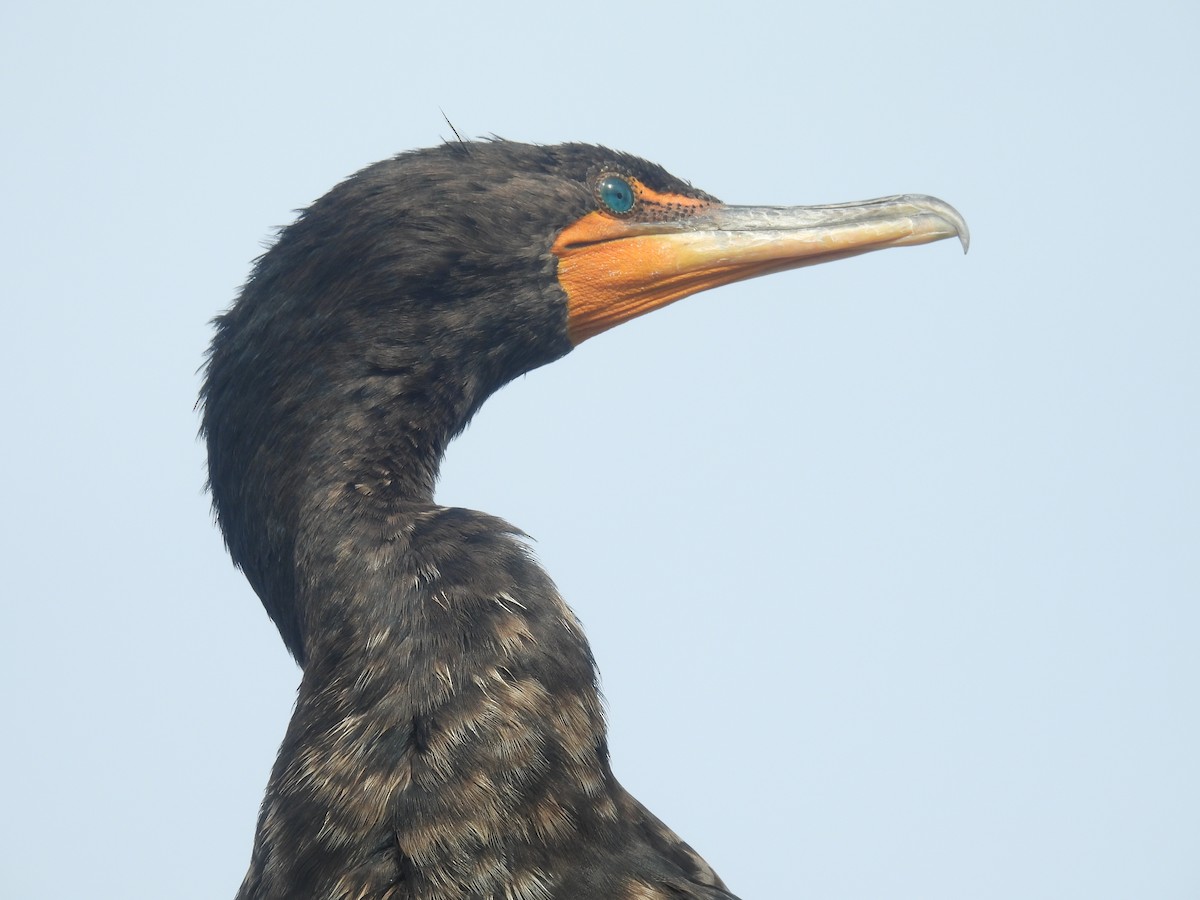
(616, 193)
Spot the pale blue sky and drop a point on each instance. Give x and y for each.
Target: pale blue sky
(891, 566)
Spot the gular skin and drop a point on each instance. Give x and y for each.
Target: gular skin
(448, 739)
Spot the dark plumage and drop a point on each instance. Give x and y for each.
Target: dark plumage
(448, 739)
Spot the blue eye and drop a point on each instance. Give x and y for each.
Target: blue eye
(616, 193)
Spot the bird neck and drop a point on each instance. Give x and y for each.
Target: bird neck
(327, 476)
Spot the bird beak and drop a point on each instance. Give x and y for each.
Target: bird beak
(614, 269)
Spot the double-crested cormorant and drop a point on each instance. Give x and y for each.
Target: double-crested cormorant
(448, 739)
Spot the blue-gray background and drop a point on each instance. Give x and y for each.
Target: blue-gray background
(891, 566)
